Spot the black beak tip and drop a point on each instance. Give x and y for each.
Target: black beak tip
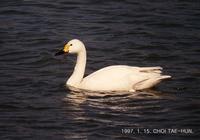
(59, 52)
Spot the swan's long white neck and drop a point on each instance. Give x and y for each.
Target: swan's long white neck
(79, 70)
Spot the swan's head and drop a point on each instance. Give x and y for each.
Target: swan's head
(73, 46)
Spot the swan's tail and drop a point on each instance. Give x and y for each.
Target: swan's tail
(162, 77)
(149, 83)
(154, 77)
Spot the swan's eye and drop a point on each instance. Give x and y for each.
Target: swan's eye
(70, 45)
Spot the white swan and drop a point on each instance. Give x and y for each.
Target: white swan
(111, 78)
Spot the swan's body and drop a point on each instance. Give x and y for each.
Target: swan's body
(111, 78)
(122, 78)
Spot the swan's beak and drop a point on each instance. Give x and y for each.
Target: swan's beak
(63, 51)
(59, 52)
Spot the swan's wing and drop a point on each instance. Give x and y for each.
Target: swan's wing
(122, 77)
(151, 69)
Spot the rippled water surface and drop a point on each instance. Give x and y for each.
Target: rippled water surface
(34, 103)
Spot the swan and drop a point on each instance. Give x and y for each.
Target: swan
(111, 78)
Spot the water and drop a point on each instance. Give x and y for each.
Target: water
(34, 103)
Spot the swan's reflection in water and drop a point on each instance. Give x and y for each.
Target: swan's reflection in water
(81, 96)
(105, 114)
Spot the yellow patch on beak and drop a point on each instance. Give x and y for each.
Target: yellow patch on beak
(66, 48)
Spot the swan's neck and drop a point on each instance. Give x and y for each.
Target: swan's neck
(79, 70)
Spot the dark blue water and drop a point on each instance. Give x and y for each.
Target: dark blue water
(34, 102)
